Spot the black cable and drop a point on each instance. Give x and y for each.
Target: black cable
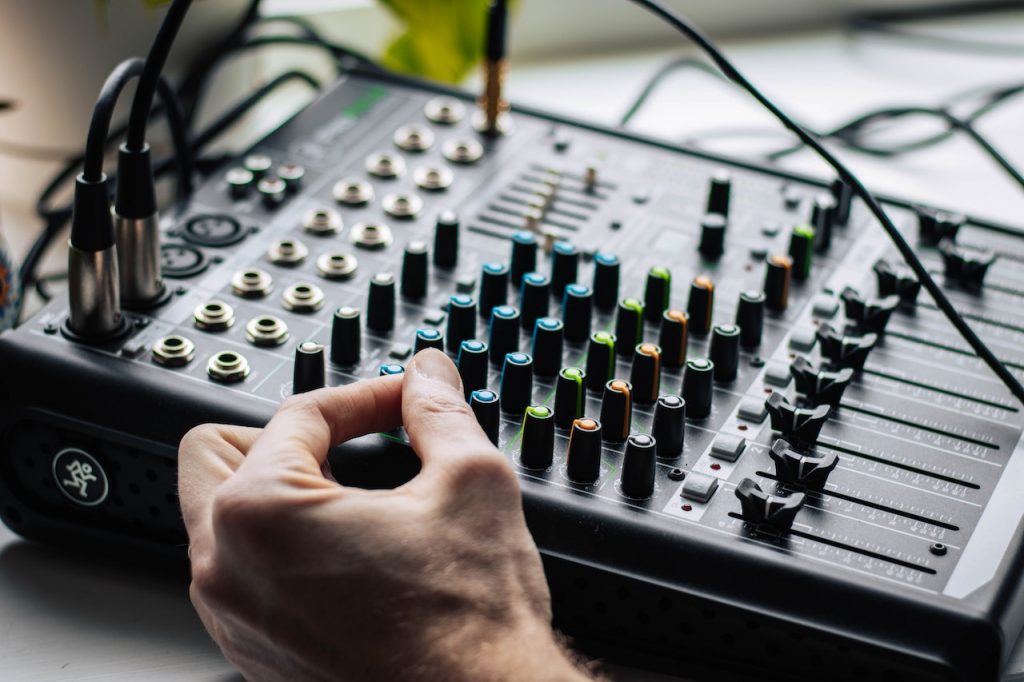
(146, 89)
(99, 126)
(656, 80)
(704, 43)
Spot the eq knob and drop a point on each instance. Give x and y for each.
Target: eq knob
(657, 293)
(777, 277)
(524, 255)
(534, 295)
(868, 315)
(645, 373)
(346, 336)
(428, 338)
(503, 333)
(547, 346)
(565, 265)
(461, 321)
(516, 383)
(577, 309)
(414, 271)
(842, 194)
(725, 352)
(697, 387)
(570, 396)
(493, 287)
(616, 410)
(600, 360)
(796, 424)
(801, 251)
(897, 280)
(472, 364)
(770, 512)
(669, 426)
(606, 280)
(486, 409)
(672, 338)
(750, 318)
(446, 240)
(844, 350)
(380, 303)
(638, 467)
(719, 193)
(808, 471)
(629, 325)
(823, 218)
(310, 371)
(538, 438)
(818, 386)
(700, 306)
(583, 455)
(712, 236)
(966, 267)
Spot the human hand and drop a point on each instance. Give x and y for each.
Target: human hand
(297, 577)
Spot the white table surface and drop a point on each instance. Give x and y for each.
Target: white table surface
(67, 617)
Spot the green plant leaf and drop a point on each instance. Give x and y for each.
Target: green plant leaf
(443, 39)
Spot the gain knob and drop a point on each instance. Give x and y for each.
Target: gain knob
(538, 438)
(472, 364)
(486, 408)
(638, 467)
(583, 455)
(309, 372)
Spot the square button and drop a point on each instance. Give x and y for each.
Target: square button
(825, 305)
(777, 374)
(465, 284)
(752, 410)
(433, 319)
(400, 351)
(803, 340)
(728, 447)
(699, 487)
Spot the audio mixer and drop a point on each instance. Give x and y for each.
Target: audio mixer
(745, 436)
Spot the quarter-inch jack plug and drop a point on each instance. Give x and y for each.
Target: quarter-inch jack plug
(492, 119)
(137, 230)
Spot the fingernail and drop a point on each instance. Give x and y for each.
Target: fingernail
(434, 365)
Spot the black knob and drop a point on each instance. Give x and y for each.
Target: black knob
(669, 426)
(461, 321)
(600, 360)
(657, 293)
(801, 251)
(414, 271)
(493, 287)
(565, 265)
(697, 387)
(446, 240)
(380, 303)
(472, 364)
(428, 338)
(503, 332)
(868, 315)
(750, 318)
(672, 338)
(808, 471)
(701, 305)
(768, 511)
(842, 194)
(899, 280)
(616, 410)
(577, 308)
(966, 267)
(818, 386)
(719, 191)
(583, 455)
(776, 282)
(796, 424)
(712, 236)
(645, 373)
(606, 280)
(725, 351)
(485, 406)
(823, 218)
(533, 298)
(538, 441)
(547, 346)
(629, 325)
(391, 369)
(516, 383)
(843, 350)
(346, 336)
(638, 466)
(570, 396)
(310, 372)
(524, 255)
(935, 225)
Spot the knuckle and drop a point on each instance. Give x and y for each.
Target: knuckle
(441, 407)
(237, 511)
(198, 438)
(301, 403)
(488, 472)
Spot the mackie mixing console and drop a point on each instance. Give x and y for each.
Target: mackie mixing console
(745, 437)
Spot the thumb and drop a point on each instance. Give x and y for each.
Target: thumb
(441, 426)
